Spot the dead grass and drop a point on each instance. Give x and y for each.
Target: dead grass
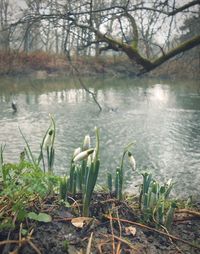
(13, 62)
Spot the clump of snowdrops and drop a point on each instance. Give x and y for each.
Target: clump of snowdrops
(34, 175)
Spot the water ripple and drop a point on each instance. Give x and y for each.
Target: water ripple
(164, 126)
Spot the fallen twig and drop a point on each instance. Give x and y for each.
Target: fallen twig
(88, 251)
(13, 241)
(112, 231)
(21, 242)
(194, 213)
(34, 247)
(155, 230)
(121, 240)
(62, 219)
(120, 235)
(99, 246)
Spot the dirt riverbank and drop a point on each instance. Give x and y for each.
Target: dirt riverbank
(113, 227)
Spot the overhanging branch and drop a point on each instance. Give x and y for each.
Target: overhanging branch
(189, 44)
(184, 7)
(147, 65)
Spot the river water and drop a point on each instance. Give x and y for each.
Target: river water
(162, 118)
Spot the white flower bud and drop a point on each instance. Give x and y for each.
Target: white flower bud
(48, 139)
(131, 161)
(76, 152)
(83, 155)
(86, 143)
(169, 182)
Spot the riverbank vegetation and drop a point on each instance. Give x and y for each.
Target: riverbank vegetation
(43, 65)
(41, 212)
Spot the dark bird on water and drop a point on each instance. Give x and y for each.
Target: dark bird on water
(14, 106)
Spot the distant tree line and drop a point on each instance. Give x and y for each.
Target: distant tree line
(148, 32)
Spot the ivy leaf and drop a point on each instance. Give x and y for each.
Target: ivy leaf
(32, 216)
(43, 217)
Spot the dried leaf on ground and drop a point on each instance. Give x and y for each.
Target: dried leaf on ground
(130, 230)
(80, 222)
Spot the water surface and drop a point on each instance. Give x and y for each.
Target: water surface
(162, 118)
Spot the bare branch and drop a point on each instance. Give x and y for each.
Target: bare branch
(184, 7)
(189, 44)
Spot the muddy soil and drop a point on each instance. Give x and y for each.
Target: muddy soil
(110, 229)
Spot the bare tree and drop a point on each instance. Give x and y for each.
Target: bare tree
(4, 16)
(142, 30)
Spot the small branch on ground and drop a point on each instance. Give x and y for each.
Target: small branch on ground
(154, 230)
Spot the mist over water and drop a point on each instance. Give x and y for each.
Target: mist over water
(162, 118)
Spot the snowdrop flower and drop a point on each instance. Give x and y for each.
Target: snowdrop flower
(169, 182)
(48, 139)
(83, 155)
(131, 161)
(86, 143)
(76, 152)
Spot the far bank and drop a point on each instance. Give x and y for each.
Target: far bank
(43, 65)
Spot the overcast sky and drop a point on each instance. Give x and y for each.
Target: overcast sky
(160, 37)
